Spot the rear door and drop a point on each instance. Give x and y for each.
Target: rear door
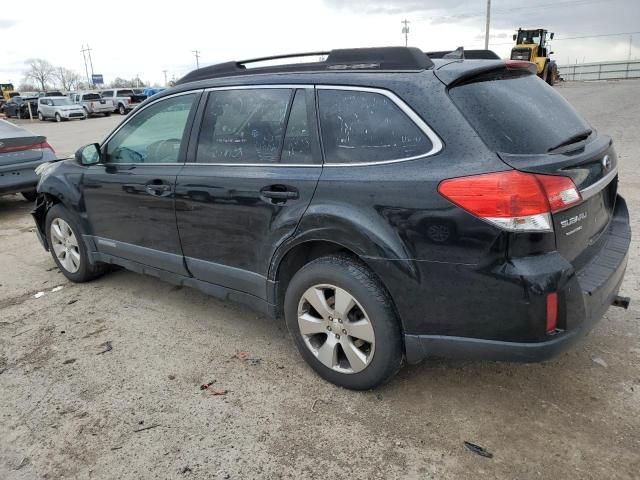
(254, 163)
(129, 196)
(534, 129)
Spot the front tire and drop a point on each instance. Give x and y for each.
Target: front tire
(64, 237)
(58, 118)
(30, 195)
(343, 322)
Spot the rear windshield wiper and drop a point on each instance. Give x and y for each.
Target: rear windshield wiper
(578, 137)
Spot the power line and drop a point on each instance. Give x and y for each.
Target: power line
(582, 36)
(517, 9)
(599, 35)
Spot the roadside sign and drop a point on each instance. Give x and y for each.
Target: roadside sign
(97, 79)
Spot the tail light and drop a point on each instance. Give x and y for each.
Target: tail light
(22, 148)
(521, 65)
(552, 312)
(129, 100)
(512, 200)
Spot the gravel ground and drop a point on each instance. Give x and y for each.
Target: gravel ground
(71, 407)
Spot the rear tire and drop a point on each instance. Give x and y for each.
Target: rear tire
(40, 117)
(64, 237)
(122, 110)
(370, 352)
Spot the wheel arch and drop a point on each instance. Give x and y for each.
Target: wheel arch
(290, 259)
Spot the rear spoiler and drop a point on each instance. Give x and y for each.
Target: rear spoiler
(454, 73)
(466, 54)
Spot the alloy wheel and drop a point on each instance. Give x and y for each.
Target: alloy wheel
(65, 245)
(336, 329)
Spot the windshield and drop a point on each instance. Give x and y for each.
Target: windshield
(61, 101)
(530, 37)
(518, 113)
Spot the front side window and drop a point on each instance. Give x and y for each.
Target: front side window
(243, 126)
(362, 126)
(154, 135)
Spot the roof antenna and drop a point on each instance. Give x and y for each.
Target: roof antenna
(458, 53)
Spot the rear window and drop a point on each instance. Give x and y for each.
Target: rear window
(91, 96)
(517, 113)
(124, 93)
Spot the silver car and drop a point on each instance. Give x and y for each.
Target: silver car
(20, 153)
(59, 109)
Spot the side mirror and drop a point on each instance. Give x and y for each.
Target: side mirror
(88, 155)
(551, 53)
(514, 36)
(551, 37)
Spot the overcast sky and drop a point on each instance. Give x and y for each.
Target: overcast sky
(145, 38)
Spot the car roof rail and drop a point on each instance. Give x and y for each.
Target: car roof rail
(466, 54)
(350, 59)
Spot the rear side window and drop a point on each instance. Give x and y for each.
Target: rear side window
(297, 140)
(244, 126)
(362, 126)
(518, 114)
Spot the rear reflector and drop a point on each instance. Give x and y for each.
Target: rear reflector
(512, 200)
(22, 148)
(552, 312)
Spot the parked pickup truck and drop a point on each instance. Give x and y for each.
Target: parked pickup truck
(123, 99)
(92, 103)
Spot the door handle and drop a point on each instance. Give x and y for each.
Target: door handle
(157, 189)
(279, 193)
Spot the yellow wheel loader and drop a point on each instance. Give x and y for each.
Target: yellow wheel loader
(531, 45)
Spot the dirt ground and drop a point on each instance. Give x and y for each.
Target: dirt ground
(70, 407)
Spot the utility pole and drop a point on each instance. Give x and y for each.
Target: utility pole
(405, 31)
(486, 28)
(630, 45)
(165, 77)
(197, 54)
(90, 61)
(86, 69)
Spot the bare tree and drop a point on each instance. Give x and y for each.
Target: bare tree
(39, 71)
(27, 87)
(68, 79)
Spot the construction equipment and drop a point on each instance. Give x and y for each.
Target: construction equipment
(7, 91)
(532, 46)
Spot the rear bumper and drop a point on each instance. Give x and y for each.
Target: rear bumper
(19, 177)
(585, 294)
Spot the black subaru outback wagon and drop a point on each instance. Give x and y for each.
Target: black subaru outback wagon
(389, 205)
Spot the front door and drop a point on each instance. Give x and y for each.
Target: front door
(251, 174)
(129, 196)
